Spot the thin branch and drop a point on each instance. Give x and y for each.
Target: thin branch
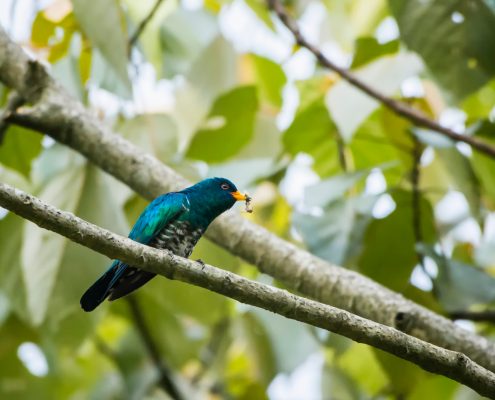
(477, 316)
(142, 26)
(432, 358)
(166, 381)
(416, 204)
(398, 107)
(67, 121)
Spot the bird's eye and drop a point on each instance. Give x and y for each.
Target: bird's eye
(225, 186)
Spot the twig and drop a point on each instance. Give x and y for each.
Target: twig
(398, 107)
(166, 380)
(142, 26)
(416, 199)
(341, 151)
(432, 358)
(477, 316)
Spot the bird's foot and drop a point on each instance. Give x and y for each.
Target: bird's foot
(200, 261)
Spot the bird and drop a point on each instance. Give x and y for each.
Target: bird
(174, 221)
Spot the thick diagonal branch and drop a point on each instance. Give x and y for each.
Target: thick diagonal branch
(55, 113)
(398, 107)
(429, 357)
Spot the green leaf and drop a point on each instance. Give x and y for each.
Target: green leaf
(184, 36)
(483, 165)
(214, 71)
(383, 140)
(361, 364)
(154, 133)
(457, 53)
(11, 284)
(261, 10)
(103, 23)
(255, 160)
(460, 285)
(229, 126)
(349, 107)
(403, 375)
(389, 254)
(313, 132)
(20, 146)
(42, 251)
(479, 104)
(284, 334)
(336, 235)
(269, 77)
(368, 49)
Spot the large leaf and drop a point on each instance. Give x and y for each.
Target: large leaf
(368, 49)
(314, 133)
(383, 140)
(483, 165)
(349, 106)
(284, 334)
(154, 133)
(42, 251)
(336, 235)
(460, 285)
(103, 24)
(268, 75)
(184, 36)
(389, 254)
(20, 146)
(229, 126)
(454, 38)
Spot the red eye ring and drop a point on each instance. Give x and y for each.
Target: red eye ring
(225, 186)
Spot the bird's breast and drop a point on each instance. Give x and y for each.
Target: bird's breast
(179, 237)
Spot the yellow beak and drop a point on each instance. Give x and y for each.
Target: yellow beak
(238, 196)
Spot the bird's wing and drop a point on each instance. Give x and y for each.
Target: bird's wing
(160, 212)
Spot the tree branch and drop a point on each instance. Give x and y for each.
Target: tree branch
(432, 358)
(477, 316)
(398, 107)
(166, 381)
(58, 115)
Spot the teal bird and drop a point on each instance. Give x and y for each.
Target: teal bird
(173, 221)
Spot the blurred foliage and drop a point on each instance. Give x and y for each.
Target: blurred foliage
(218, 88)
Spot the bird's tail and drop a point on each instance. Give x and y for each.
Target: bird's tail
(100, 290)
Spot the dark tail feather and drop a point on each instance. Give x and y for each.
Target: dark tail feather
(99, 290)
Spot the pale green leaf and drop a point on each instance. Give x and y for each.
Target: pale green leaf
(103, 23)
(229, 126)
(19, 147)
(349, 106)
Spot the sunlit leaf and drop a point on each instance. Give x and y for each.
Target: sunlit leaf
(349, 106)
(314, 133)
(103, 24)
(228, 128)
(20, 146)
(368, 49)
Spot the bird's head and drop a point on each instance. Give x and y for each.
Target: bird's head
(214, 195)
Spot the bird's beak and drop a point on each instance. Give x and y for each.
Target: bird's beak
(238, 196)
